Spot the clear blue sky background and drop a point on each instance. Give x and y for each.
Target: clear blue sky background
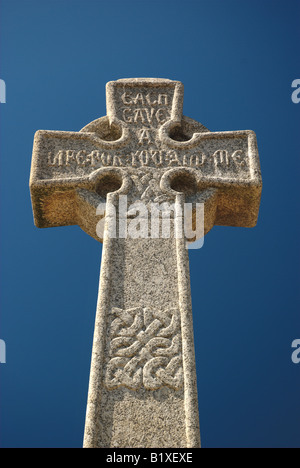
(237, 60)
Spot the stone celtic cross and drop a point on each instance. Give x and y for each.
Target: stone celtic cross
(144, 153)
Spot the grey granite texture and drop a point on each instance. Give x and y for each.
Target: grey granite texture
(142, 390)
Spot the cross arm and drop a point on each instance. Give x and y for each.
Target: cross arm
(225, 161)
(71, 171)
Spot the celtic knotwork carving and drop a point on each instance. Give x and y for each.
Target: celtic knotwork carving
(147, 185)
(144, 349)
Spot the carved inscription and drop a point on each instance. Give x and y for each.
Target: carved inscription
(156, 158)
(143, 99)
(144, 348)
(145, 108)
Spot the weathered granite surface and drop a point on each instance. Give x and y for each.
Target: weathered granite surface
(143, 390)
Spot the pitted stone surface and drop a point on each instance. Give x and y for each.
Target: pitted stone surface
(142, 390)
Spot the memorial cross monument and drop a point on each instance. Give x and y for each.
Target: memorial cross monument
(144, 154)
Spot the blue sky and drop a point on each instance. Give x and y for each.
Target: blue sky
(237, 61)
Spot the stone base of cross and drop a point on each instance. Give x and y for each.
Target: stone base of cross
(134, 180)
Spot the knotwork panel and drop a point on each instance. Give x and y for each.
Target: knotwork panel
(144, 349)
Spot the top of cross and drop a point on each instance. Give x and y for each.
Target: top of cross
(144, 101)
(143, 145)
